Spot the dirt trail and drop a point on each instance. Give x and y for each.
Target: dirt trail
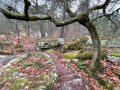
(67, 80)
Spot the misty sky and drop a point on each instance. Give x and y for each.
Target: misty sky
(20, 6)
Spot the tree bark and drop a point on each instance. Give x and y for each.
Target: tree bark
(96, 57)
(1, 46)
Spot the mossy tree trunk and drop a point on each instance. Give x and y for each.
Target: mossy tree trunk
(96, 57)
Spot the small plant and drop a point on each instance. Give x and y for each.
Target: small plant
(12, 47)
(45, 58)
(38, 64)
(27, 64)
(81, 65)
(24, 58)
(29, 54)
(82, 50)
(115, 54)
(104, 83)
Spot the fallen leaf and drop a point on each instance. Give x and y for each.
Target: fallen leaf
(30, 82)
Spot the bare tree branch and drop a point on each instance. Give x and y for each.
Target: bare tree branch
(10, 8)
(107, 15)
(102, 6)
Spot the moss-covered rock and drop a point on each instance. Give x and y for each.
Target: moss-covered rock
(70, 55)
(87, 56)
(17, 45)
(6, 52)
(5, 43)
(75, 45)
(81, 55)
(20, 50)
(49, 43)
(16, 80)
(84, 56)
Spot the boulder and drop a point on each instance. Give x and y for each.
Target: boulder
(5, 52)
(49, 43)
(75, 45)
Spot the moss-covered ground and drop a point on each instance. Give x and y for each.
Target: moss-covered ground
(34, 71)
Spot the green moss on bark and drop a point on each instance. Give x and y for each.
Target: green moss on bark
(98, 60)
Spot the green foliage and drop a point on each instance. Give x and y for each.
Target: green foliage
(20, 50)
(28, 64)
(16, 83)
(81, 65)
(117, 73)
(18, 46)
(104, 83)
(12, 47)
(38, 64)
(29, 54)
(84, 56)
(115, 54)
(82, 50)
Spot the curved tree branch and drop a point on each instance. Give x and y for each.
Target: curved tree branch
(41, 17)
(10, 8)
(70, 13)
(102, 6)
(107, 15)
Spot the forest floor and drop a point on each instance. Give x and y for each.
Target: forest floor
(107, 77)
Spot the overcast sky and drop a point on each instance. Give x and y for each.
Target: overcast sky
(20, 6)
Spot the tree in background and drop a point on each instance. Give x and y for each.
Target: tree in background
(83, 19)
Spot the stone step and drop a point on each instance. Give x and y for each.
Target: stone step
(66, 73)
(68, 78)
(75, 84)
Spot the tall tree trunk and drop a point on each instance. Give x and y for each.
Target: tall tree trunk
(42, 31)
(96, 57)
(64, 16)
(18, 33)
(1, 46)
(62, 32)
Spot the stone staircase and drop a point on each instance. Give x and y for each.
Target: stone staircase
(68, 79)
